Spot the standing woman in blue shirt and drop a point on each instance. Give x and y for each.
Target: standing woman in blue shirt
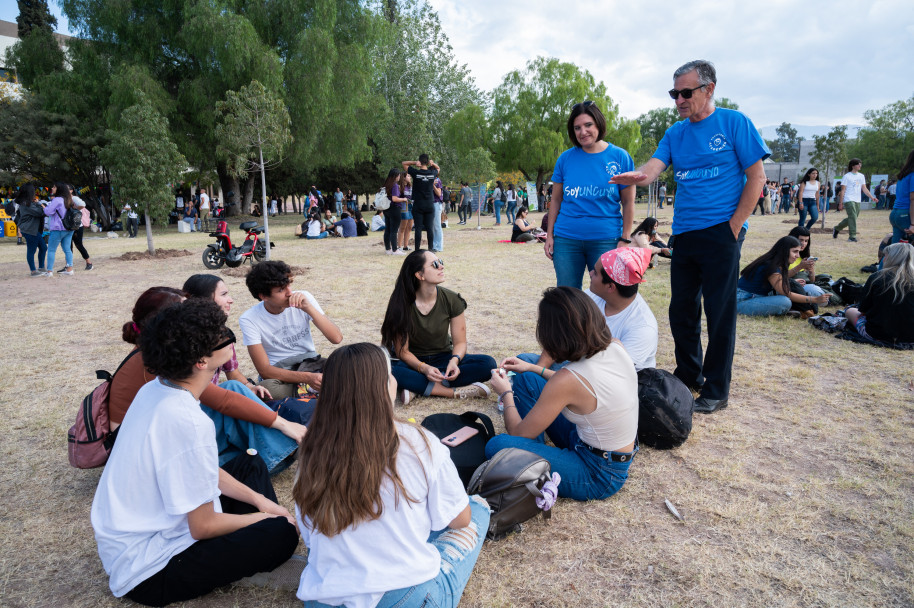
(902, 227)
(587, 216)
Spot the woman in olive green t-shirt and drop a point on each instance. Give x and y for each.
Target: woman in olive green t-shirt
(425, 331)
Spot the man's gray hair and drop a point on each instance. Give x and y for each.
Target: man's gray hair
(706, 72)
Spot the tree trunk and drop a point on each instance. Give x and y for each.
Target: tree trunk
(248, 195)
(149, 246)
(230, 189)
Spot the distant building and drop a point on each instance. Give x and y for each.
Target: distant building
(9, 35)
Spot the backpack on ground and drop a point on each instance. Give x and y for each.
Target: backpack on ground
(471, 453)
(850, 292)
(381, 202)
(89, 440)
(665, 407)
(511, 481)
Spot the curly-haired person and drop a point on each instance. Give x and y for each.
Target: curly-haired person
(170, 524)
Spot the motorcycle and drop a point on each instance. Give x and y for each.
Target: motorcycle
(222, 252)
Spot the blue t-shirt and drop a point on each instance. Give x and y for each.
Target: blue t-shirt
(591, 207)
(349, 228)
(710, 158)
(903, 192)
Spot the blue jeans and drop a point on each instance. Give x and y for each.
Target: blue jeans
(812, 207)
(192, 221)
(882, 202)
(234, 436)
(34, 242)
(64, 238)
(339, 206)
(512, 211)
(572, 257)
(498, 207)
(459, 551)
(473, 368)
(322, 235)
(754, 305)
(437, 231)
(900, 220)
(585, 475)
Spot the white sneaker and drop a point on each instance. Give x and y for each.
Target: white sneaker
(398, 252)
(404, 397)
(477, 390)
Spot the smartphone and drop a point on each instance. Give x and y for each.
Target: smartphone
(814, 259)
(459, 436)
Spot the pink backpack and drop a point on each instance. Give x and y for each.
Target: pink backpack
(90, 440)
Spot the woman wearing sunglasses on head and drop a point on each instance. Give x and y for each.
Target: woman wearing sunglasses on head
(587, 216)
(425, 330)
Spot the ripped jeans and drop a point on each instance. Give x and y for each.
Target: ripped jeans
(459, 551)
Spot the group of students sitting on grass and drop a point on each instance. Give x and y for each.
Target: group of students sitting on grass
(186, 505)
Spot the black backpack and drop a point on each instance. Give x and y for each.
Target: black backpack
(511, 481)
(471, 453)
(850, 292)
(72, 219)
(665, 407)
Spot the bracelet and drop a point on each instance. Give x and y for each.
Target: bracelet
(502, 396)
(543, 373)
(459, 358)
(507, 405)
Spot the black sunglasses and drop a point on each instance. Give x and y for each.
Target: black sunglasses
(582, 105)
(439, 263)
(229, 340)
(686, 93)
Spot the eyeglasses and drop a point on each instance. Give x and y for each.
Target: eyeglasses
(229, 340)
(439, 263)
(686, 93)
(582, 105)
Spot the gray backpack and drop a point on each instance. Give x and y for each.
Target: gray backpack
(511, 482)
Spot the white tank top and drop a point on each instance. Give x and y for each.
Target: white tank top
(611, 373)
(811, 189)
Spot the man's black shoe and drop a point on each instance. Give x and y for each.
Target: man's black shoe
(834, 233)
(708, 406)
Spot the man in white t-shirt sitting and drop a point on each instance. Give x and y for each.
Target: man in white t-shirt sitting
(277, 331)
(170, 524)
(614, 288)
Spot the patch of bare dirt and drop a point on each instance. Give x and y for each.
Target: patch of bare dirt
(160, 254)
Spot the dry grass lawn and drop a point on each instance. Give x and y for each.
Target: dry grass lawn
(798, 494)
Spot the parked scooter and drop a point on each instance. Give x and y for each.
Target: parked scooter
(222, 252)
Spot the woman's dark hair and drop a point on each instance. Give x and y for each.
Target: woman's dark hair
(266, 276)
(499, 185)
(26, 194)
(852, 162)
(648, 226)
(774, 261)
(799, 231)
(393, 176)
(908, 166)
(810, 170)
(570, 327)
(510, 186)
(147, 305)
(358, 215)
(201, 286)
(523, 209)
(398, 320)
(352, 443)
(591, 109)
(63, 191)
(180, 335)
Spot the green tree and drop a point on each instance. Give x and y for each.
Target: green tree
(530, 111)
(830, 153)
(726, 102)
(467, 133)
(253, 133)
(888, 137)
(143, 162)
(34, 14)
(783, 149)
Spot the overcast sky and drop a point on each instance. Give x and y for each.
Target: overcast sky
(808, 62)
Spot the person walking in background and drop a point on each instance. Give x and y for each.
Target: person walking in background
(498, 200)
(61, 202)
(464, 205)
(853, 184)
(30, 220)
(204, 208)
(511, 199)
(423, 172)
(785, 197)
(393, 213)
(78, 233)
(718, 155)
(132, 220)
(808, 198)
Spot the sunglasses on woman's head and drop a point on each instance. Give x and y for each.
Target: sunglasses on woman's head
(582, 105)
(686, 93)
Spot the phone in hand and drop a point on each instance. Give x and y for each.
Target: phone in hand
(459, 436)
(814, 259)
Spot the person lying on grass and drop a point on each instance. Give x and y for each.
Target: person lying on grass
(170, 524)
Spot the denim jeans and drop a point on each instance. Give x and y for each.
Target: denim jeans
(809, 206)
(322, 235)
(234, 436)
(64, 238)
(192, 221)
(473, 368)
(512, 211)
(437, 231)
(900, 220)
(852, 208)
(459, 551)
(391, 227)
(34, 242)
(585, 475)
(498, 207)
(754, 305)
(572, 257)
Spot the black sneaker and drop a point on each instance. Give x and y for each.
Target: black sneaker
(88, 266)
(834, 233)
(62, 270)
(704, 405)
(852, 239)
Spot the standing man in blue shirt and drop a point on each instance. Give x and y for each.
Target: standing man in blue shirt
(717, 156)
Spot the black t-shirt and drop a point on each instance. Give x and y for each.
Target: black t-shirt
(423, 188)
(886, 319)
(785, 190)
